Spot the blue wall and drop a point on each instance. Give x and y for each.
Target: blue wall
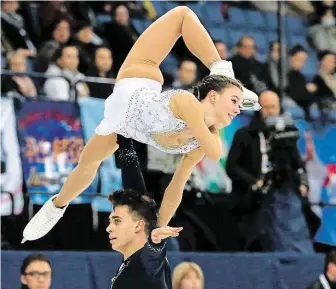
(75, 270)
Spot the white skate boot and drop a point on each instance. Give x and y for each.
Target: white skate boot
(45, 219)
(224, 67)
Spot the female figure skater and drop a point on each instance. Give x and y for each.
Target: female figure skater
(175, 121)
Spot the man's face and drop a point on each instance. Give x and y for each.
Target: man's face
(328, 63)
(270, 104)
(123, 228)
(298, 60)
(122, 15)
(222, 50)
(69, 59)
(9, 6)
(332, 271)
(37, 275)
(247, 48)
(187, 72)
(103, 60)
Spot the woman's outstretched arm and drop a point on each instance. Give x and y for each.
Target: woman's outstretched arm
(173, 194)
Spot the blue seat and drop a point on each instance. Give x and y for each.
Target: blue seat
(298, 39)
(102, 19)
(139, 25)
(272, 36)
(169, 64)
(311, 66)
(256, 20)
(212, 13)
(260, 41)
(159, 7)
(197, 9)
(271, 20)
(169, 5)
(296, 25)
(262, 57)
(234, 36)
(238, 18)
(219, 33)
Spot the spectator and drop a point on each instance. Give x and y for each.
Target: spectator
(267, 187)
(247, 68)
(13, 33)
(328, 278)
(84, 42)
(186, 75)
(223, 53)
(60, 35)
(121, 35)
(188, 275)
(18, 84)
(65, 63)
(102, 68)
(298, 89)
(323, 33)
(222, 49)
(36, 272)
(325, 79)
(273, 66)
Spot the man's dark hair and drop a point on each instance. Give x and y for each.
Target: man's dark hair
(296, 49)
(323, 53)
(141, 205)
(330, 258)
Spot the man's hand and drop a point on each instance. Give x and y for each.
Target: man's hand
(164, 232)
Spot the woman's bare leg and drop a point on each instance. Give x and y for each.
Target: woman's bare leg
(96, 150)
(158, 39)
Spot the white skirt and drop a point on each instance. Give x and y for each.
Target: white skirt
(116, 105)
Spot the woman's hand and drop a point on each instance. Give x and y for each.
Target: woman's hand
(161, 233)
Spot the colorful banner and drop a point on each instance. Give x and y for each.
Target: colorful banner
(11, 169)
(92, 112)
(51, 142)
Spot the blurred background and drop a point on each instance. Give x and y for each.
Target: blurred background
(263, 217)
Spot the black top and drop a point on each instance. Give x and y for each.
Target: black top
(147, 268)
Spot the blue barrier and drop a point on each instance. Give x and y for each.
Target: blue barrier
(75, 270)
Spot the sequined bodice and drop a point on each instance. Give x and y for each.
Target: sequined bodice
(150, 120)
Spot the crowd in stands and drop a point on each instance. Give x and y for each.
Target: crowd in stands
(92, 39)
(69, 41)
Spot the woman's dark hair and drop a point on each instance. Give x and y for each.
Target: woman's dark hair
(214, 82)
(56, 22)
(141, 205)
(30, 259)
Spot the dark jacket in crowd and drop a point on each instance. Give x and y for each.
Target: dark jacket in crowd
(121, 39)
(243, 164)
(251, 73)
(99, 90)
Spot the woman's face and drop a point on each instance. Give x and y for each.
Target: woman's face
(226, 104)
(37, 275)
(62, 32)
(191, 281)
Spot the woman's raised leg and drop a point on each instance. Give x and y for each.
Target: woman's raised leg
(95, 151)
(158, 39)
